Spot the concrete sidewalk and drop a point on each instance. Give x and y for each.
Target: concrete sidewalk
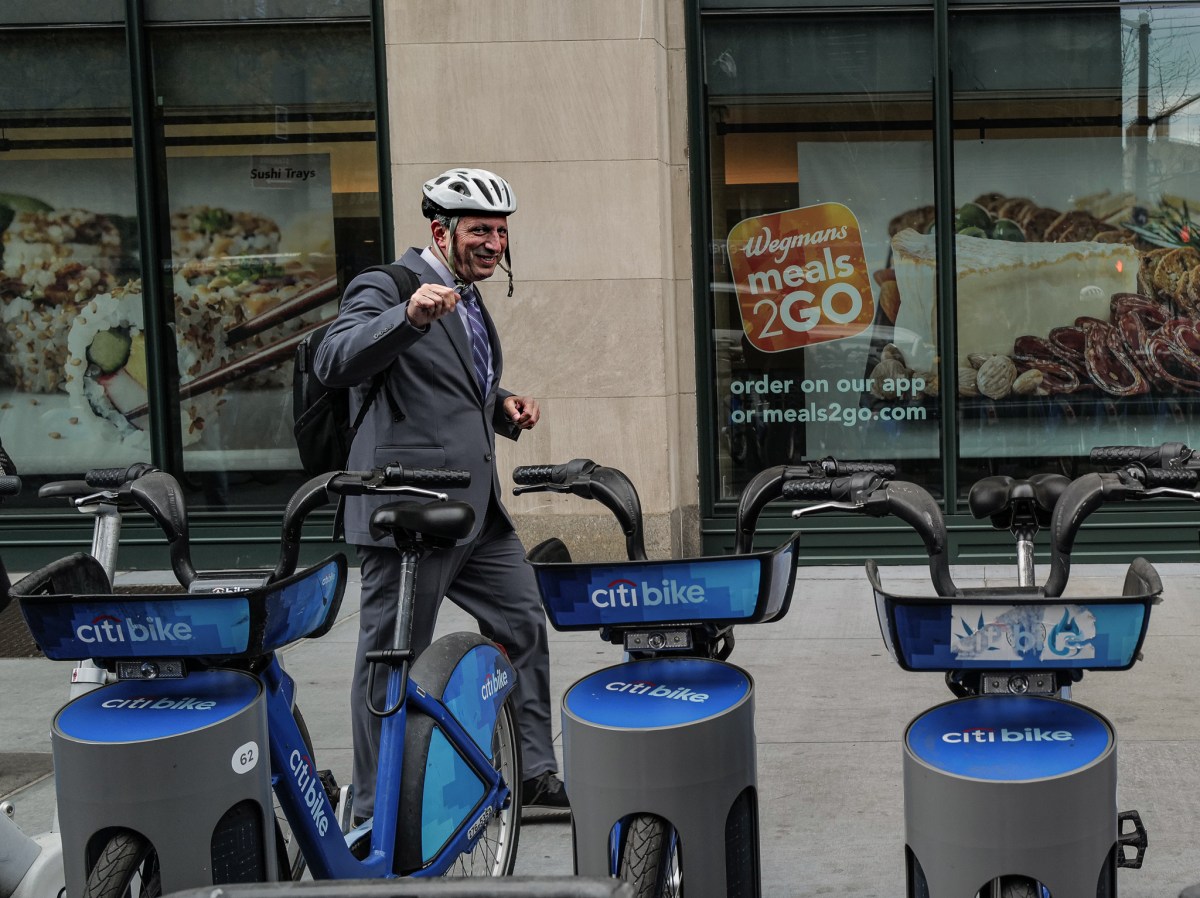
(831, 710)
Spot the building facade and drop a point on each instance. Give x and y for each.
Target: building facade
(735, 223)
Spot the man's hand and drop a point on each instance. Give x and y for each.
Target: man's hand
(523, 411)
(429, 303)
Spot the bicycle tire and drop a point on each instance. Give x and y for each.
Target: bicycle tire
(1019, 887)
(495, 854)
(649, 858)
(742, 879)
(126, 868)
(1010, 886)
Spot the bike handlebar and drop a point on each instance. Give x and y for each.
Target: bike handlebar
(832, 466)
(1180, 478)
(770, 484)
(357, 483)
(584, 478)
(1083, 496)
(1161, 456)
(321, 490)
(113, 480)
(833, 489)
(10, 485)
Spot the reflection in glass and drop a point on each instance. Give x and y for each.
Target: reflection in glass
(1076, 167)
(68, 237)
(827, 116)
(270, 175)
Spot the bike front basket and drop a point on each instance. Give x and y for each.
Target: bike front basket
(216, 626)
(1009, 628)
(729, 589)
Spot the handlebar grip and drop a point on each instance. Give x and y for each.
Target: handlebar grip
(808, 490)
(574, 471)
(526, 475)
(398, 475)
(1184, 478)
(1153, 456)
(112, 478)
(866, 467)
(10, 485)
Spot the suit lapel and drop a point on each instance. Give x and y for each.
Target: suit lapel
(455, 328)
(458, 339)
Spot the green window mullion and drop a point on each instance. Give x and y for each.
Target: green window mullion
(947, 338)
(149, 163)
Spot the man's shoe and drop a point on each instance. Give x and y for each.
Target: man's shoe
(544, 796)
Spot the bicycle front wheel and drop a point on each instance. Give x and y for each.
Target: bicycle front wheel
(649, 858)
(495, 853)
(1019, 887)
(126, 868)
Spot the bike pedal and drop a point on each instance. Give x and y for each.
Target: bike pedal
(329, 783)
(1135, 838)
(344, 808)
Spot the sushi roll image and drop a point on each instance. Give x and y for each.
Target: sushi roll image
(243, 289)
(54, 262)
(106, 368)
(211, 232)
(37, 244)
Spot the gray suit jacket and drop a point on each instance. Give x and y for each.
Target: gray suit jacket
(434, 416)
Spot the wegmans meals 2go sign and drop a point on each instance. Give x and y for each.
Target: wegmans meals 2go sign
(801, 277)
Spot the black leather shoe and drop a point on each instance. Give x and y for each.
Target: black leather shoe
(544, 796)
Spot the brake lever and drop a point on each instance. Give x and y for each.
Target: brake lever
(542, 488)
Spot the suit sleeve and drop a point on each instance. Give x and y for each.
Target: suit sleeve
(500, 421)
(371, 329)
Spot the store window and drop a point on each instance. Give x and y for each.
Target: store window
(263, 144)
(1076, 167)
(820, 149)
(68, 235)
(273, 196)
(1073, 146)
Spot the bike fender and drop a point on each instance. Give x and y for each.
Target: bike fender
(472, 677)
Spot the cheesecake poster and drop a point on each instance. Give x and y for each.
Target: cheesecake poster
(801, 277)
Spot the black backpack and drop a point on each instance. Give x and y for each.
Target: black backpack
(321, 414)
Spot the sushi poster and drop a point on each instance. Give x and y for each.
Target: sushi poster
(253, 268)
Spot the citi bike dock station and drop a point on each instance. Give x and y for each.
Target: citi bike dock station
(1010, 782)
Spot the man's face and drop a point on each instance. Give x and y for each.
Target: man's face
(479, 244)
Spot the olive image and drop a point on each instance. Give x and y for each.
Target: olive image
(973, 232)
(972, 215)
(1007, 229)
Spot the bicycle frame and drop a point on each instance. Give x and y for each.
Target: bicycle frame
(312, 816)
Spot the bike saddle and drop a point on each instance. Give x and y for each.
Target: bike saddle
(1007, 501)
(436, 524)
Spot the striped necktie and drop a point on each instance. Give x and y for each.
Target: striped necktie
(481, 348)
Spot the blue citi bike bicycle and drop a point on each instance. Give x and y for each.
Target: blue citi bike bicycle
(675, 620)
(1010, 788)
(202, 711)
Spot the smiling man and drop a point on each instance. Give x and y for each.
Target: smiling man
(423, 326)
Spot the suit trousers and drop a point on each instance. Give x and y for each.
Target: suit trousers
(490, 580)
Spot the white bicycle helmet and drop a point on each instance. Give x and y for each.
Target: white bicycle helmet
(465, 190)
(462, 191)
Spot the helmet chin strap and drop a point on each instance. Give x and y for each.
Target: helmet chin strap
(448, 256)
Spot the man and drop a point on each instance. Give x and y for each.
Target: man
(441, 406)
